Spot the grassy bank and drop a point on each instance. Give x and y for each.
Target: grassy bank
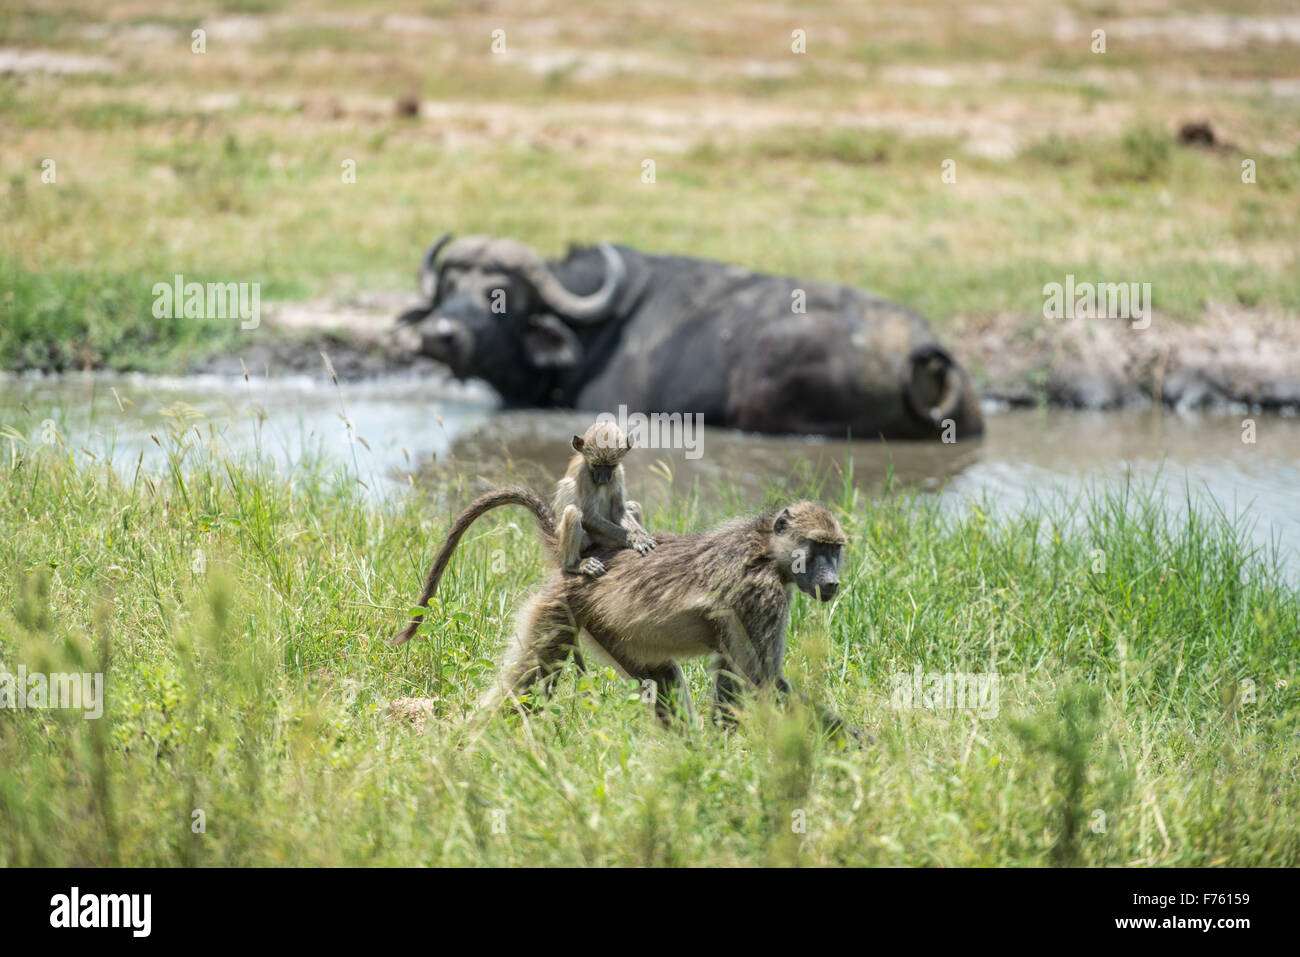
(231, 165)
(1146, 713)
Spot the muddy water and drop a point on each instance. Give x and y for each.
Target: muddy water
(386, 429)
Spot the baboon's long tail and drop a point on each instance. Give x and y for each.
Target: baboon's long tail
(506, 495)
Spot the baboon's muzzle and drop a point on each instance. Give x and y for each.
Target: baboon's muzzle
(822, 591)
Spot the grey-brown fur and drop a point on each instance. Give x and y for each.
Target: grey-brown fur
(725, 592)
(591, 502)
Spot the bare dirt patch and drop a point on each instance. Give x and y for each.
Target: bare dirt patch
(1233, 357)
(50, 61)
(358, 334)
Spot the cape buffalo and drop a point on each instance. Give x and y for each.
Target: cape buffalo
(609, 326)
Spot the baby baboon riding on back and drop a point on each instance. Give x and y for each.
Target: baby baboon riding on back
(592, 505)
(591, 501)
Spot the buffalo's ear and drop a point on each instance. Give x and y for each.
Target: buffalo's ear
(550, 344)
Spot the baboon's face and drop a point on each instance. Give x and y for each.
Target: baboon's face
(809, 543)
(821, 577)
(603, 448)
(603, 474)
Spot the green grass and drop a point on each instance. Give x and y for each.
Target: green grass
(67, 319)
(248, 207)
(1147, 712)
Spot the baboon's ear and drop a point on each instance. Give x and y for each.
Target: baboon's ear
(577, 443)
(782, 521)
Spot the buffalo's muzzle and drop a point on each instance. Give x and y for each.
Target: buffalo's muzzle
(444, 331)
(447, 341)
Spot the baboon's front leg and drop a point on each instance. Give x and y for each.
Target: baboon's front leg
(624, 531)
(750, 660)
(602, 531)
(751, 652)
(632, 523)
(672, 694)
(827, 719)
(742, 665)
(729, 693)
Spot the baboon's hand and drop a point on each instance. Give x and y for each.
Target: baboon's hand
(849, 735)
(591, 567)
(860, 737)
(642, 542)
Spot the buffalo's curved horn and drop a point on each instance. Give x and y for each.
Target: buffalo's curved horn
(570, 305)
(428, 274)
(927, 367)
(950, 398)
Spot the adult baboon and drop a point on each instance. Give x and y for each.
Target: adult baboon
(725, 592)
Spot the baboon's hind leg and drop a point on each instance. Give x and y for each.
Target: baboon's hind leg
(544, 637)
(728, 694)
(574, 540)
